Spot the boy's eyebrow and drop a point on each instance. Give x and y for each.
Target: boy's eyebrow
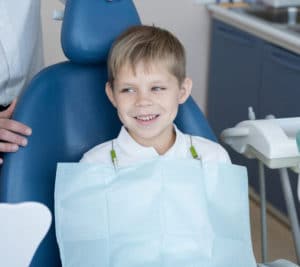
(158, 81)
(128, 84)
(125, 84)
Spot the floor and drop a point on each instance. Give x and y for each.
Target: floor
(280, 241)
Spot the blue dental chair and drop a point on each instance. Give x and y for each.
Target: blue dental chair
(67, 108)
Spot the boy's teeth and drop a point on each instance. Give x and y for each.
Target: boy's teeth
(146, 118)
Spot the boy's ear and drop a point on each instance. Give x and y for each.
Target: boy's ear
(110, 94)
(185, 90)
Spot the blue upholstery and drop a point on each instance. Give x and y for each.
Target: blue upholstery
(90, 27)
(69, 113)
(191, 120)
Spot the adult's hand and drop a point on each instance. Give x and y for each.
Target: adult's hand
(12, 133)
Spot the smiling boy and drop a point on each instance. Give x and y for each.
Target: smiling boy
(144, 200)
(146, 84)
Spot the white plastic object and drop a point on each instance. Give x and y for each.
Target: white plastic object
(22, 228)
(58, 15)
(292, 15)
(273, 141)
(251, 113)
(281, 3)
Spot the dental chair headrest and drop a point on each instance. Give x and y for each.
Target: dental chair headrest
(90, 26)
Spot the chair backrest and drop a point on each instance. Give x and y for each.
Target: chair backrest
(68, 111)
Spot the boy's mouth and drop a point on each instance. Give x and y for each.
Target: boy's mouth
(146, 118)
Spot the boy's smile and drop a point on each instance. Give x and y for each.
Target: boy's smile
(146, 119)
(147, 100)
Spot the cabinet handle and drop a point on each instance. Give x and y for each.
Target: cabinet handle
(236, 35)
(285, 61)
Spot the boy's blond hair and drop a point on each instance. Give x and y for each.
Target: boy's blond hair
(147, 44)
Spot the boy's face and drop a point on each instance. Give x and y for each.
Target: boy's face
(147, 102)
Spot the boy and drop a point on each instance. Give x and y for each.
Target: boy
(145, 200)
(146, 83)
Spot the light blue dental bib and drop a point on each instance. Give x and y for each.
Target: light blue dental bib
(161, 213)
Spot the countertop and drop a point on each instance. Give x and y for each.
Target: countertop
(271, 32)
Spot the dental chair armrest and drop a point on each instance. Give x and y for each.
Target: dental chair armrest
(278, 263)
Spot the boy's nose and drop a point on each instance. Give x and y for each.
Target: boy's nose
(143, 99)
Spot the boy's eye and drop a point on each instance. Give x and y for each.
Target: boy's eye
(127, 90)
(157, 88)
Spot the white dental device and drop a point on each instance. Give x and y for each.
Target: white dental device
(272, 141)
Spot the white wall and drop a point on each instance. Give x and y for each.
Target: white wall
(187, 20)
(51, 32)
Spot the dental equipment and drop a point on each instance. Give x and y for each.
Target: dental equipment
(274, 143)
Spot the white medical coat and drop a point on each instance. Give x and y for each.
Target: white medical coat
(21, 52)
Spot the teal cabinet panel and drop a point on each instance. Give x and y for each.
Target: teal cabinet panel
(280, 90)
(234, 80)
(247, 71)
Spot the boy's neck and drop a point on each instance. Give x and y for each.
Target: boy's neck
(161, 149)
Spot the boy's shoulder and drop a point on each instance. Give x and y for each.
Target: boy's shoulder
(209, 150)
(98, 154)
